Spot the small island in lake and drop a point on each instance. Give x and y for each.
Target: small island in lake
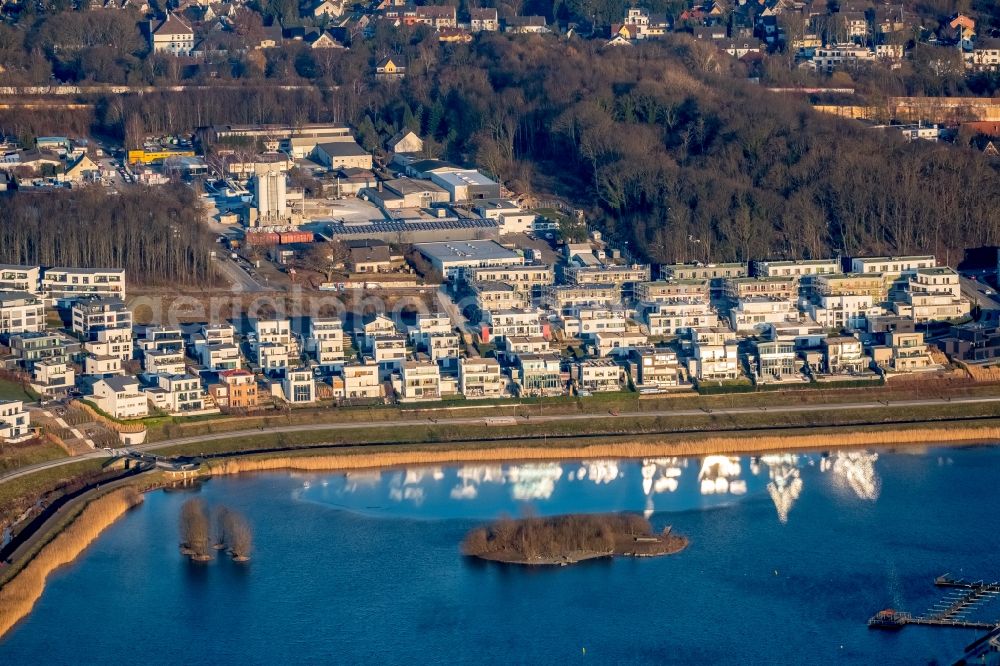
(569, 539)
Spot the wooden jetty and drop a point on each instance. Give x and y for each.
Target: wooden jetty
(963, 597)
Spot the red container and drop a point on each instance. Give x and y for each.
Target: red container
(287, 237)
(262, 238)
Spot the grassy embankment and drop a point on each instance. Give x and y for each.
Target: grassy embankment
(14, 456)
(13, 391)
(556, 433)
(20, 494)
(648, 446)
(623, 402)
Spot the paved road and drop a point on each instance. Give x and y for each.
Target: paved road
(535, 418)
(238, 276)
(976, 292)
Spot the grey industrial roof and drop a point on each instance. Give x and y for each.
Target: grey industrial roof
(466, 250)
(342, 149)
(403, 226)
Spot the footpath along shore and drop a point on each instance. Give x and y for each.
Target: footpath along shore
(602, 423)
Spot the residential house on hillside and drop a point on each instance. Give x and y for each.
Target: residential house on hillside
(483, 19)
(524, 25)
(390, 68)
(172, 36)
(119, 397)
(405, 141)
(328, 9)
(15, 422)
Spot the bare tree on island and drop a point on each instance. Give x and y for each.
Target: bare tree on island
(239, 536)
(220, 520)
(195, 530)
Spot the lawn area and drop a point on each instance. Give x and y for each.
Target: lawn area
(13, 391)
(19, 494)
(13, 456)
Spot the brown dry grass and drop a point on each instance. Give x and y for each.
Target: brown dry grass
(19, 595)
(627, 449)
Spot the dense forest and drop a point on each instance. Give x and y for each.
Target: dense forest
(156, 235)
(664, 144)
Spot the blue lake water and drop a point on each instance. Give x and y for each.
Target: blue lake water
(789, 556)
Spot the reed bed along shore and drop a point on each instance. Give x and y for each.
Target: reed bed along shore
(18, 595)
(624, 449)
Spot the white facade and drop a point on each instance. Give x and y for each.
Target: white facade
(19, 278)
(598, 375)
(72, 282)
(21, 312)
(178, 394)
(299, 387)
(120, 397)
(325, 341)
(480, 378)
(753, 313)
(15, 421)
(420, 381)
(849, 312)
(517, 323)
(361, 381)
(677, 316)
(891, 265)
(52, 377)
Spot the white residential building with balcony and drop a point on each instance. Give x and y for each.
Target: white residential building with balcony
(420, 381)
(480, 378)
(599, 375)
(21, 312)
(325, 341)
(15, 421)
(298, 386)
(677, 316)
(61, 282)
(120, 397)
(754, 313)
(19, 278)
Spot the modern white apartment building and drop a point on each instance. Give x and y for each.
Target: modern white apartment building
(850, 312)
(514, 322)
(52, 377)
(120, 397)
(617, 343)
(19, 278)
(654, 369)
(753, 313)
(178, 394)
(538, 375)
(892, 266)
(325, 341)
(360, 381)
(599, 375)
(165, 362)
(298, 386)
(480, 378)
(62, 282)
(715, 354)
(420, 381)
(677, 316)
(525, 278)
(21, 312)
(586, 321)
(93, 314)
(15, 421)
